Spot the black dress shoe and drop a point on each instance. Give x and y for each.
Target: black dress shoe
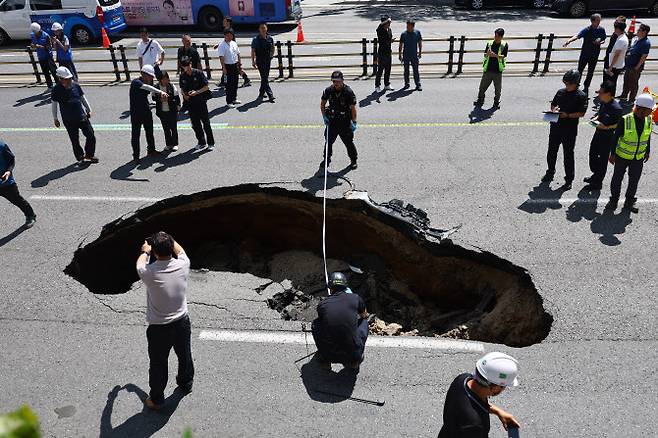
(566, 186)
(611, 205)
(548, 177)
(587, 179)
(630, 206)
(353, 165)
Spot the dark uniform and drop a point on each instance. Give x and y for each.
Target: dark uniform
(264, 48)
(8, 187)
(198, 106)
(465, 415)
(192, 54)
(75, 119)
(599, 149)
(140, 115)
(339, 334)
(565, 131)
(384, 38)
(339, 112)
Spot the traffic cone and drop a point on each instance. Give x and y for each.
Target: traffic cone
(631, 28)
(106, 40)
(300, 32)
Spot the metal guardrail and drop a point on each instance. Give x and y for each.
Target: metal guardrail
(444, 56)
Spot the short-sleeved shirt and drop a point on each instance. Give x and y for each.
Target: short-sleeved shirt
(339, 102)
(166, 286)
(611, 44)
(42, 40)
(64, 54)
(152, 54)
(338, 317)
(410, 41)
(609, 114)
(191, 53)
(70, 103)
(229, 51)
(384, 38)
(493, 62)
(639, 47)
(569, 102)
(139, 99)
(195, 81)
(621, 43)
(7, 161)
(465, 415)
(589, 35)
(263, 48)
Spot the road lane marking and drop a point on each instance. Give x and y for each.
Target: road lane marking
(416, 342)
(187, 126)
(601, 201)
(93, 198)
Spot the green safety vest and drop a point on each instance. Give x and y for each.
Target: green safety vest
(501, 59)
(630, 147)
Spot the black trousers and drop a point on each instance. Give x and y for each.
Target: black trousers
(634, 173)
(264, 71)
(161, 338)
(333, 352)
(169, 121)
(73, 129)
(342, 128)
(613, 78)
(599, 151)
(589, 61)
(137, 121)
(48, 69)
(201, 123)
(232, 76)
(566, 138)
(10, 193)
(383, 66)
(414, 65)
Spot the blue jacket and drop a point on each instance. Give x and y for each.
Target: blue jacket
(42, 40)
(7, 161)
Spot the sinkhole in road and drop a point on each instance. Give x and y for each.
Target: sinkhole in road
(413, 277)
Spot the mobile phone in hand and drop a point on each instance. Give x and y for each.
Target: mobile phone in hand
(513, 432)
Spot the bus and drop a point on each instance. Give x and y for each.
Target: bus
(82, 19)
(208, 14)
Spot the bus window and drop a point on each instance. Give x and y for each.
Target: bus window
(12, 5)
(45, 5)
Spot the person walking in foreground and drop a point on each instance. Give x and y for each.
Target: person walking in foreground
(341, 328)
(593, 37)
(466, 410)
(410, 51)
(631, 148)
(262, 52)
(167, 108)
(194, 87)
(140, 111)
(637, 56)
(495, 55)
(76, 112)
(166, 313)
(339, 117)
(8, 187)
(384, 39)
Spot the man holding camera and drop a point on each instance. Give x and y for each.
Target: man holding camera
(166, 314)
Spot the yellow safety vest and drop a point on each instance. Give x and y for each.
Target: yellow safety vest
(501, 58)
(630, 147)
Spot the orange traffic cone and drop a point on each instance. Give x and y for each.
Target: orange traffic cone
(106, 40)
(300, 32)
(631, 28)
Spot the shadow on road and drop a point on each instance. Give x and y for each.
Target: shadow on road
(125, 172)
(41, 99)
(328, 386)
(315, 183)
(479, 114)
(11, 236)
(398, 94)
(43, 181)
(372, 97)
(180, 159)
(585, 206)
(609, 225)
(541, 199)
(143, 424)
(251, 105)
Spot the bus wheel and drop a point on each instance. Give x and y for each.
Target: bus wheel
(82, 35)
(4, 38)
(210, 18)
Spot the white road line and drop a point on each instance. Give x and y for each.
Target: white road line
(418, 342)
(601, 201)
(92, 198)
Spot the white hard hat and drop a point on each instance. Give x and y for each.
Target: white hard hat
(64, 73)
(645, 100)
(499, 369)
(148, 69)
(35, 27)
(56, 26)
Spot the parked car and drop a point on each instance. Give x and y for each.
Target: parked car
(480, 4)
(579, 8)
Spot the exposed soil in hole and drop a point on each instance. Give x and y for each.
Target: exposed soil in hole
(411, 275)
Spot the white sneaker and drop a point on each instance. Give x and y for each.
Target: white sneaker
(199, 147)
(388, 88)
(211, 147)
(378, 89)
(237, 102)
(232, 105)
(174, 148)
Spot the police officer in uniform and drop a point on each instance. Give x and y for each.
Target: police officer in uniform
(630, 150)
(571, 104)
(339, 117)
(341, 328)
(606, 120)
(140, 111)
(194, 88)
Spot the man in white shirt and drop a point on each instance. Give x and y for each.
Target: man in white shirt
(617, 59)
(149, 52)
(166, 314)
(229, 56)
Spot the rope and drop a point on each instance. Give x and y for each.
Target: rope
(324, 209)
